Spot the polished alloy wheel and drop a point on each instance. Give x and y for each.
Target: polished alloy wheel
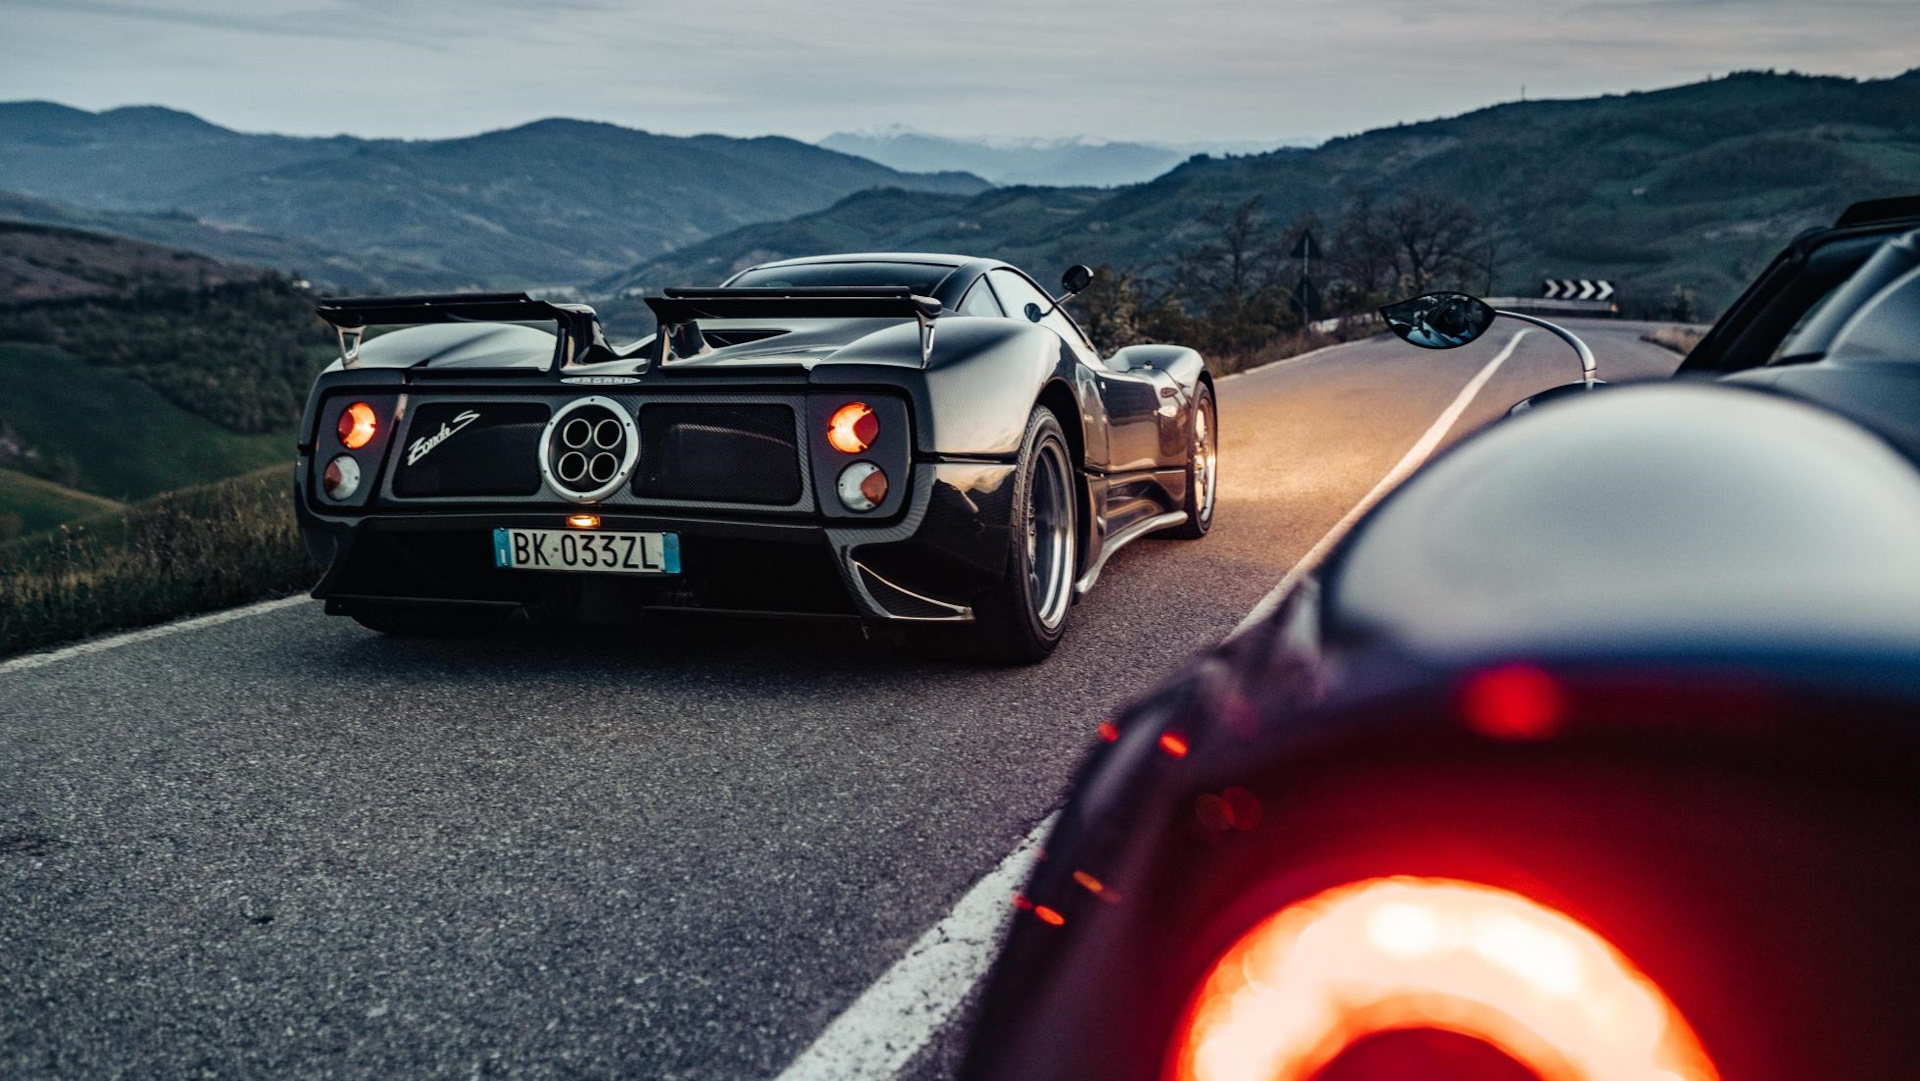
(1050, 534)
(1206, 459)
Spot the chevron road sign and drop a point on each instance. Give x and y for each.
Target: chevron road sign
(1578, 289)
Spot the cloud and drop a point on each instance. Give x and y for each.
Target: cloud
(1203, 69)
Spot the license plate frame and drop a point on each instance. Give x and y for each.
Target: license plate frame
(586, 551)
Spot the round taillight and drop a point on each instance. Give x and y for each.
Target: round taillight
(341, 478)
(853, 428)
(1396, 955)
(862, 486)
(357, 425)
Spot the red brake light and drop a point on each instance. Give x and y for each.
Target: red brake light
(1411, 954)
(853, 428)
(357, 425)
(1515, 702)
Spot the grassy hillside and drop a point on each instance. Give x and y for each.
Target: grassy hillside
(30, 504)
(552, 202)
(102, 432)
(41, 262)
(190, 551)
(1694, 186)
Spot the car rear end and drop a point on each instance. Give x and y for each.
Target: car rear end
(599, 491)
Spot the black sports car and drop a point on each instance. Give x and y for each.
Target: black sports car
(1588, 754)
(922, 440)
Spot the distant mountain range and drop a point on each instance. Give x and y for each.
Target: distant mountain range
(1054, 162)
(1693, 186)
(555, 202)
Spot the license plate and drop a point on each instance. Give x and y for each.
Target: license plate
(586, 550)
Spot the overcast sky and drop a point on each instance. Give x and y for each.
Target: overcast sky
(1168, 70)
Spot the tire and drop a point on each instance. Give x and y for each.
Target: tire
(1203, 469)
(1024, 616)
(451, 621)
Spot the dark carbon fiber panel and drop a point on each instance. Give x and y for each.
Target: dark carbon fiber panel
(719, 454)
(471, 449)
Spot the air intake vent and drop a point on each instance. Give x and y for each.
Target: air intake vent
(470, 449)
(719, 454)
(720, 339)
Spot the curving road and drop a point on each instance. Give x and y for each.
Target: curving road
(281, 845)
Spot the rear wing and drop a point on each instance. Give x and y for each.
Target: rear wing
(580, 335)
(680, 310)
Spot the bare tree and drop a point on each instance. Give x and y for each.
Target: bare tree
(1236, 264)
(1363, 268)
(1433, 239)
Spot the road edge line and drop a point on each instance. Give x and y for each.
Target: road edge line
(148, 634)
(880, 1032)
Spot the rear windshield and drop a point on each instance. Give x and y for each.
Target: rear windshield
(920, 277)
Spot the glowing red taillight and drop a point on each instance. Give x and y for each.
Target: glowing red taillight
(1410, 954)
(853, 428)
(1517, 702)
(357, 425)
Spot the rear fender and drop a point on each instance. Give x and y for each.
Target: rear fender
(975, 395)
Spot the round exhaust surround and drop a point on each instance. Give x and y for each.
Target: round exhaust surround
(589, 449)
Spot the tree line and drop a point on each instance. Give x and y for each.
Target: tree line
(240, 353)
(1234, 293)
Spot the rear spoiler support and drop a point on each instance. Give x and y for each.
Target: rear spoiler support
(581, 340)
(680, 310)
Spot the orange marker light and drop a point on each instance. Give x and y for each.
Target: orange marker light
(1048, 915)
(853, 428)
(357, 425)
(584, 521)
(1399, 954)
(1174, 744)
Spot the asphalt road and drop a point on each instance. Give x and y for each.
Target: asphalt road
(286, 846)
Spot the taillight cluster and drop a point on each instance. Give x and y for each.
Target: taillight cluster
(357, 426)
(851, 430)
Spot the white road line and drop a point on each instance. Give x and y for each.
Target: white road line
(1415, 456)
(892, 1020)
(101, 645)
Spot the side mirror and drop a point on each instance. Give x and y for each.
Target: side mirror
(1439, 320)
(1035, 313)
(1076, 279)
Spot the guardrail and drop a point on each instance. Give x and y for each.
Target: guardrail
(1599, 309)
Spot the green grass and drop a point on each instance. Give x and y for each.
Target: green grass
(29, 504)
(191, 551)
(128, 441)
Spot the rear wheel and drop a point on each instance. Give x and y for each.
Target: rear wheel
(1203, 468)
(432, 622)
(1023, 617)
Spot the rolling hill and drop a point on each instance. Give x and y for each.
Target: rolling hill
(30, 504)
(553, 202)
(118, 438)
(1063, 163)
(128, 369)
(1695, 186)
(360, 272)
